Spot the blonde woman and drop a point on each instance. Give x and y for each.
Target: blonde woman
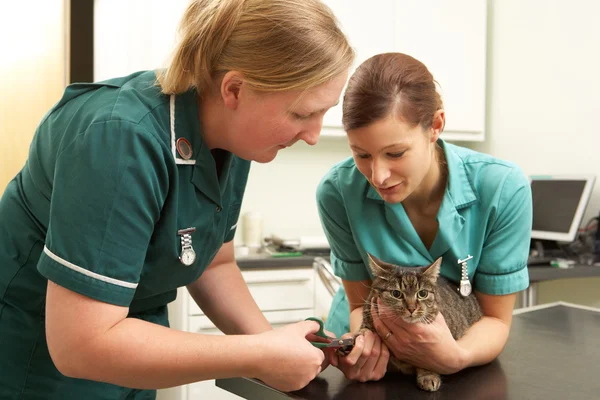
(133, 188)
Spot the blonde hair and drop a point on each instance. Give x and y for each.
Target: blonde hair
(276, 44)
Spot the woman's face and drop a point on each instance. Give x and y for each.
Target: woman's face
(394, 156)
(268, 122)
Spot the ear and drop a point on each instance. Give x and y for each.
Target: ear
(437, 124)
(379, 268)
(231, 85)
(433, 271)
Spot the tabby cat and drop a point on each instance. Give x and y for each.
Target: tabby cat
(416, 295)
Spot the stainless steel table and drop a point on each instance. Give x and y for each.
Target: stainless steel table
(553, 353)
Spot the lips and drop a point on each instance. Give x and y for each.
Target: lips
(389, 189)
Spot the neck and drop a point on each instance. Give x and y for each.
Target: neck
(212, 122)
(427, 197)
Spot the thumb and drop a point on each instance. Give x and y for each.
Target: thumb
(306, 327)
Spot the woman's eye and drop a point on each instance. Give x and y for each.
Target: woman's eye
(422, 294)
(363, 156)
(396, 155)
(396, 293)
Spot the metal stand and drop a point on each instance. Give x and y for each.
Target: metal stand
(529, 296)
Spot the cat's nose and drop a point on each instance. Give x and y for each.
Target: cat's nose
(411, 309)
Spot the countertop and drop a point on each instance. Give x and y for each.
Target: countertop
(265, 261)
(536, 273)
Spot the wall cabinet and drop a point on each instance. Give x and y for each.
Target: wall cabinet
(449, 37)
(285, 295)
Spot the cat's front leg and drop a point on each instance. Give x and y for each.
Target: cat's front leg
(401, 366)
(428, 380)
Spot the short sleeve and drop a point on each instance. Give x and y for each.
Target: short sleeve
(345, 256)
(503, 264)
(109, 187)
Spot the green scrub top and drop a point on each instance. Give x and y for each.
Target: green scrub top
(97, 209)
(486, 213)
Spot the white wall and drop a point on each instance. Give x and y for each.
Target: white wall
(544, 101)
(544, 88)
(284, 191)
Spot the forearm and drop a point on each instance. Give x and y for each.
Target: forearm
(356, 319)
(224, 297)
(138, 354)
(484, 341)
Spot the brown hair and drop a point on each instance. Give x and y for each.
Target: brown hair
(276, 44)
(390, 83)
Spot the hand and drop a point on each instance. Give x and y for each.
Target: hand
(428, 346)
(368, 359)
(290, 362)
(330, 352)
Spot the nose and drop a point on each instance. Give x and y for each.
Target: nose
(411, 309)
(310, 136)
(379, 172)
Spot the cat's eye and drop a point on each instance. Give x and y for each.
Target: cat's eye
(396, 293)
(422, 294)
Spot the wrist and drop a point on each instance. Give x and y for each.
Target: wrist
(257, 355)
(463, 359)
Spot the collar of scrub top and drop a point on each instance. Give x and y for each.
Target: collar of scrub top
(185, 125)
(459, 194)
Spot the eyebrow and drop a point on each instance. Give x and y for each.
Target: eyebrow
(386, 147)
(323, 109)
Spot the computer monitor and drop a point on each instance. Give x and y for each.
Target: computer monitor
(558, 205)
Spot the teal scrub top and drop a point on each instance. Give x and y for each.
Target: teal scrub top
(97, 209)
(486, 212)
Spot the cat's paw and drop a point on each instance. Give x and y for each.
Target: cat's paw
(344, 351)
(429, 381)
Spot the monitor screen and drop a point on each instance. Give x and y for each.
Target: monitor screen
(558, 206)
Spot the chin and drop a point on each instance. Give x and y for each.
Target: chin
(411, 319)
(265, 157)
(394, 198)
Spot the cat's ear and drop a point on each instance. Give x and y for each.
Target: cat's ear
(380, 268)
(433, 270)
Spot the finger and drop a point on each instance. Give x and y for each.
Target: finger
(330, 357)
(382, 362)
(366, 353)
(333, 358)
(311, 337)
(330, 334)
(369, 366)
(307, 327)
(354, 355)
(381, 327)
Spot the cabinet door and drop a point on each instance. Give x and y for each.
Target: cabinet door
(369, 27)
(276, 289)
(449, 37)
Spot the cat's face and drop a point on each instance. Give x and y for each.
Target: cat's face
(409, 292)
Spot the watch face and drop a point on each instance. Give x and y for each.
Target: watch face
(188, 257)
(465, 289)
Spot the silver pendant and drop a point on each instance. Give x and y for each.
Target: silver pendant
(465, 286)
(188, 255)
